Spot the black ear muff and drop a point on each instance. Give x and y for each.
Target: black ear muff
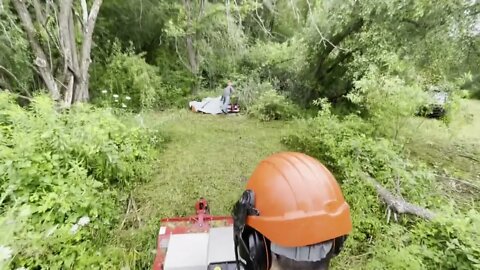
(251, 246)
(259, 250)
(338, 245)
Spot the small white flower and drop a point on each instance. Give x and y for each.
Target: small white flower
(128, 98)
(83, 221)
(115, 96)
(74, 229)
(116, 100)
(5, 253)
(104, 91)
(123, 105)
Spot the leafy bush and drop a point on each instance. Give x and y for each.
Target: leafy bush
(249, 90)
(453, 240)
(351, 150)
(60, 180)
(272, 106)
(127, 81)
(389, 100)
(273, 62)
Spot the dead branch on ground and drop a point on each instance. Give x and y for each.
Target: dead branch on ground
(399, 205)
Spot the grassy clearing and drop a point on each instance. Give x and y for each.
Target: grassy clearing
(453, 151)
(209, 156)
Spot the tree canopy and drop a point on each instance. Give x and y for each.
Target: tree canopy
(345, 79)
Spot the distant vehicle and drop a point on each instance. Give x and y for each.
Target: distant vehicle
(437, 105)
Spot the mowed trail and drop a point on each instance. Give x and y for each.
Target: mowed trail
(208, 156)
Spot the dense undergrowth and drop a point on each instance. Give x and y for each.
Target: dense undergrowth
(63, 178)
(353, 149)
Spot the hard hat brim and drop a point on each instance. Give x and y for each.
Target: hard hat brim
(302, 229)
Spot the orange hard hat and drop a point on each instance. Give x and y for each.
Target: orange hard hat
(299, 201)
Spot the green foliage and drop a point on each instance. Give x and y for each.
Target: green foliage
(131, 22)
(271, 105)
(274, 62)
(15, 58)
(126, 74)
(452, 239)
(63, 173)
(249, 90)
(351, 149)
(388, 100)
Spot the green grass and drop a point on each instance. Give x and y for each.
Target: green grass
(452, 150)
(212, 156)
(208, 156)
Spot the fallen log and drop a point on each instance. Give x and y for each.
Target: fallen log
(399, 205)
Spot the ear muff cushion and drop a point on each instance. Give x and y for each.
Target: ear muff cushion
(258, 250)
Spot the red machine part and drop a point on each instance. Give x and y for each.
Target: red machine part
(234, 108)
(201, 222)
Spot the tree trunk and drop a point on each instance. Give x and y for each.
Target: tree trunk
(74, 64)
(192, 55)
(68, 46)
(189, 40)
(81, 89)
(41, 62)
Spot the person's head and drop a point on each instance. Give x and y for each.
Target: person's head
(292, 213)
(229, 83)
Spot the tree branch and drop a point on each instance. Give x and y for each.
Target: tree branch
(399, 205)
(15, 78)
(40, 16)
(83, 3)
(180, 57)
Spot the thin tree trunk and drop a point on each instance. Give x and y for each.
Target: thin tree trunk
(41, 62)
(192, 55)
(68, 51)
(191, 50)
(38, 12)
(81, 90)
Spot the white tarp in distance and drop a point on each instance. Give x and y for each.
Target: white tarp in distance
(211, 105)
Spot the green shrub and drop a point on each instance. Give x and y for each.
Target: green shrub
(351, 150)
(388, 100)
(272, 106)
(453, 240)
(126, 81)
(465, 94)
(249, 90)
(63, 172)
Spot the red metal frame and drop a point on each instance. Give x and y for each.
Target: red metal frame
(201, 222)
